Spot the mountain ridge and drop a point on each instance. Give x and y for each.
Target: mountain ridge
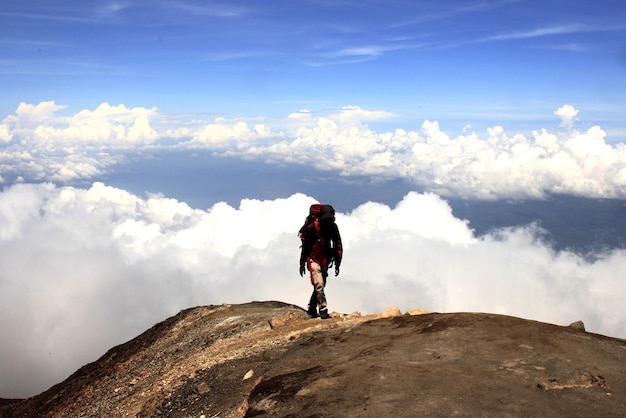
(270, 359)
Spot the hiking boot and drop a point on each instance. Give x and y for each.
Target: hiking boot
(324, 314)
(312, 312)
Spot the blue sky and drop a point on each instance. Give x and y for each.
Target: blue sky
(466, 62)
(159, 155)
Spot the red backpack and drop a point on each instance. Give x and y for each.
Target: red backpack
(317, 211)
(326, 252)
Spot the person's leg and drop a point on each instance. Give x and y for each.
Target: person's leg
(318, 280)
(312, 311)
(323, 304)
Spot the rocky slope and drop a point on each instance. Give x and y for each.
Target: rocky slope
(269, 359)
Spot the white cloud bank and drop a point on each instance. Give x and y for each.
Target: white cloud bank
(38, 145)
(86, 269)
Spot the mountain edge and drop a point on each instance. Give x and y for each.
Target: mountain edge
(271, 359)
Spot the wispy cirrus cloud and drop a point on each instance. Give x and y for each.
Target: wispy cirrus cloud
(48, 16)
(571, 47)
(356, 54)
(211, 8)
(443, 11)
(536, 33)
(374, 50)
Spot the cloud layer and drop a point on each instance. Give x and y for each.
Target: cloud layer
(41, 145)
(86, 269)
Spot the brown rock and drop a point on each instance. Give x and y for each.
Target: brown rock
(390, 312)
(282, 320)
(202, 388)
(414, 312)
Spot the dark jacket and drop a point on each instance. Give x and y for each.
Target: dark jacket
(322, 244)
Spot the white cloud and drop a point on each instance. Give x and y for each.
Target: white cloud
(28, 114)
(39, 145)
(117, 125)
(499, 166)
(43, 146)
(112, 125)
(301, 114)
(540, 32)
(222, 131)
(567, 114)
(84, 270)
(354, 114)
(27, 117)
(5, 134)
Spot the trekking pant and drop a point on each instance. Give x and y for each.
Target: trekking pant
(318, 280)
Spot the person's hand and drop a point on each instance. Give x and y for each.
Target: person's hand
(336, 271)
(301, 271)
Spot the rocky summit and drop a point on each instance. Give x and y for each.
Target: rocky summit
(269, 359)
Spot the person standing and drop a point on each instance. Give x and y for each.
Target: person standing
(321, 249)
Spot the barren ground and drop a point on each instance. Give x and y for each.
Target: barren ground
(269, 359)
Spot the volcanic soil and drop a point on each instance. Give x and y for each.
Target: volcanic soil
(269, 359)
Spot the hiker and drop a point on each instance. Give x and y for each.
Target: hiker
(321, 247)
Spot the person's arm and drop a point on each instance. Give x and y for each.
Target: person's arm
(307, 247)
(338, 249)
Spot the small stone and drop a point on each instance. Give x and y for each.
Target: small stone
(277, 321)
(578, 325)
(391, 312)
(248, 374)
(414, 312)
(282, 320)
(202, 388)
